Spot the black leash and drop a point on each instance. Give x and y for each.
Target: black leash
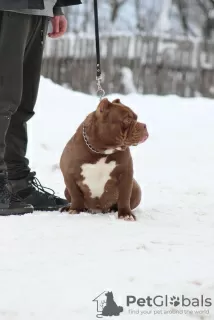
(100, 91)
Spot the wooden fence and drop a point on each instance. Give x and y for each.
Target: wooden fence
(143, 64)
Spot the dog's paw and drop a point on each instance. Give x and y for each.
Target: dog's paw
(65, 208)
(126, 215)
(129, 218)
(71, 210)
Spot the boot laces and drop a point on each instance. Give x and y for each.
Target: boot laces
(39, 187)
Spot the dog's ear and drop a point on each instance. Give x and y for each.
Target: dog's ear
(103, 107)
(116, 101)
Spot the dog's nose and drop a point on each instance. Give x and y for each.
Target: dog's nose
(144, 126)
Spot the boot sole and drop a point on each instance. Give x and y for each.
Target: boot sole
(47, 209)
(15, 212)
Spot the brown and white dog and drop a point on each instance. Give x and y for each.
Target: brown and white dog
(97, 164)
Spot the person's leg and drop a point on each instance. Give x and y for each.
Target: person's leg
(24, 183)
(16, 139)
(13, 38)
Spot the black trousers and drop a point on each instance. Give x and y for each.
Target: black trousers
(21, 49)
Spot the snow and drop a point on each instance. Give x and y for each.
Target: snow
(127, 80)
(53, 265)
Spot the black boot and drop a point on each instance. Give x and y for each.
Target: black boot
(31, 191)
(9, 203)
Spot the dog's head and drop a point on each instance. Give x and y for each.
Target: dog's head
(117, 126)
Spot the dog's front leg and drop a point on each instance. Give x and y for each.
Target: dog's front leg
(77, 199)
(125, 191)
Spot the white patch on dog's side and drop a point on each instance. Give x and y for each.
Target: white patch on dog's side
(96, 175)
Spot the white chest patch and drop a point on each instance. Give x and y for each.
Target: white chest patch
(110, 151)
(96, 175)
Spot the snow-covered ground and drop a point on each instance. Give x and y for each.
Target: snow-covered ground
(53, 265)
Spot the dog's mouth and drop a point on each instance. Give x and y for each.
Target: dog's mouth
(144, 138)
(141, 141)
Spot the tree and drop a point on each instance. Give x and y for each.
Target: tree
(182, 7)
(196, 14)
(115, 8)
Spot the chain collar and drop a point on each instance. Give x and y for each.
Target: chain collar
(87, 142)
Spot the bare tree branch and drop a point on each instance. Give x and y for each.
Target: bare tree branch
(203, 7)
(211, 2)
(182, 8)
(116, 5)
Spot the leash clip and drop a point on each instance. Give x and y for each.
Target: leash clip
(100, 91)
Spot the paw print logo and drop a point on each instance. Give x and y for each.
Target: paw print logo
(175, 301)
